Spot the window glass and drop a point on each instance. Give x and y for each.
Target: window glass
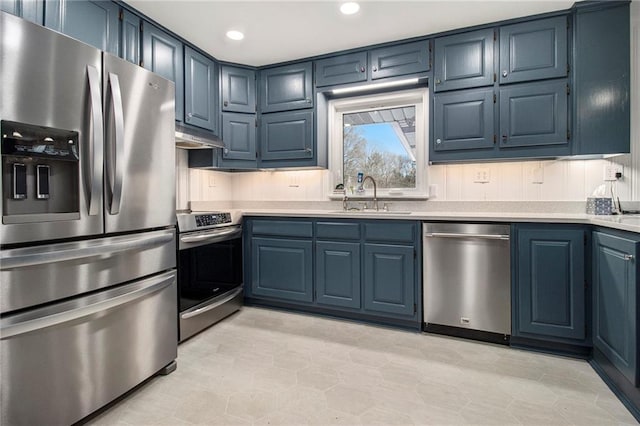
(382, 135)
(381, 143)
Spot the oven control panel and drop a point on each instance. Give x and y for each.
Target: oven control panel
(212, 219)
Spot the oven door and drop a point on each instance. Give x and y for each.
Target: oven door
(210, 278)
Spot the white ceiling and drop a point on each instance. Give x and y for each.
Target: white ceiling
(278, 31)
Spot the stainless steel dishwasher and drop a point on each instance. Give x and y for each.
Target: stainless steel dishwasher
(467, 280)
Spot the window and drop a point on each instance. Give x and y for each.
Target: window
(382, 136)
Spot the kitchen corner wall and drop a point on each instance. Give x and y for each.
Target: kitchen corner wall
(567, 180)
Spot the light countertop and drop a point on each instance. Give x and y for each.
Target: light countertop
(622, 222)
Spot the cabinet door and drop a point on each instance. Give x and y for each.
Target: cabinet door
(93, 22)
(615, 315)
(130, 37)
(389, 279)
(464, 60)
(201, 91)
(282, 269)
(463, 120)
(239, 136)
(533, 50)
(338, 274)
(286, 136)
(238, 90)
(550, 286)
(602, 81)
(31, 10)
(534, 114)
(349, 68)
(286, 88)
(163, 55)
(409, 58)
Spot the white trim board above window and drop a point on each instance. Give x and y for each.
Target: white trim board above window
(383, 135)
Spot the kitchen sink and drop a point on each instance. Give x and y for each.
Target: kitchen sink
(372, 212)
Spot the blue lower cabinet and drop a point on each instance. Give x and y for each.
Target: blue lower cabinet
(389, 279)
(364, 270)
(550, 287)
(338, 274)
(282, 269)
(615, 314)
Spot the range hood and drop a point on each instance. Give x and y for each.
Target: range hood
(191, 138)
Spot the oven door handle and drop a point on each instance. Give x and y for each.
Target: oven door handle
(212, 237)
(201, 310)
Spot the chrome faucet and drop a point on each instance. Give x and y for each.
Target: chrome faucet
(375, 190)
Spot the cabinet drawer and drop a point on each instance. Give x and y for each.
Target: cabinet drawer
(392, 232)
(284, 228)
(338, 230)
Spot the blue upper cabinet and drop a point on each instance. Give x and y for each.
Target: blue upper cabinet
(163, 54)
(550, 284)
(463, 121)
(535, 115)
(534, 50)
(286, 137)
(602, 80)
(286, 88)
(342, 69)
(201, 90)
(130, 37)
(238, 89)
(464, 60)
(239, 135)
(408, 58)
(31, 10)
(615, 310)
(93, 22)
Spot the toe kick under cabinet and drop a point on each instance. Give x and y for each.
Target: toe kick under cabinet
(366, 270)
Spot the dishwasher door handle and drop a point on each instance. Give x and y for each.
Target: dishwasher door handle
(475, 236)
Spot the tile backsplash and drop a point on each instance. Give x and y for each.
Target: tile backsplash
(561, 180)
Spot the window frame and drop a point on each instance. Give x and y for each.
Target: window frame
(416, 97)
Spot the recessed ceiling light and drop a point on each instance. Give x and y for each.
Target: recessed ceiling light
(235, 35)
(349, 8)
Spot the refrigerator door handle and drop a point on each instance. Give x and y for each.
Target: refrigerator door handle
(115, 300)
(115, 168)
(97, 141)
(54, 253)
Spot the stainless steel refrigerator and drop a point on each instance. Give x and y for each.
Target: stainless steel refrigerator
(88, 304)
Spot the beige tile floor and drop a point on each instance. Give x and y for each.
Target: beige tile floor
(266, 367)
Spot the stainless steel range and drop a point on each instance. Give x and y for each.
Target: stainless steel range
(209, 268)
